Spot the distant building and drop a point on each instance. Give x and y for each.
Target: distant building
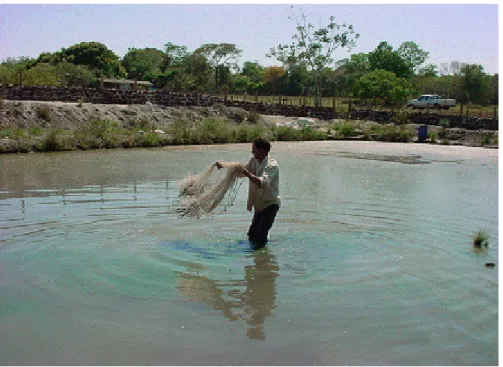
(125, 84)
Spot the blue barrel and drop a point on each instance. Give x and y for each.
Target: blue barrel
(422, 133)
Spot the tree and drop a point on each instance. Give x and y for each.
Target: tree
(7, 75)
(199, 68)
(383, 57)
(384, 85)
(42, 74)
(429, 70)
(353, 69)
(272, 77)
(16, 67)
(253, 71)
(190, 73)
(46, 58)
(473, 84)
(142, 63)
(97, 57)
(75, 75)
(410, 52)
(298, 80)
(493, 89)
(222, 54)
(315, 47)
(175, 54)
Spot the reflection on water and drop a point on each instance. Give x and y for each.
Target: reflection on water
(252, 298)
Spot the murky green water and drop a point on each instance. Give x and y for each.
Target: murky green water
(369, 262)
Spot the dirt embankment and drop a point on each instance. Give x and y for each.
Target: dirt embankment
(41, 117)
(71, 116)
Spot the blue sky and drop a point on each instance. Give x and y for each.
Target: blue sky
(449, 32)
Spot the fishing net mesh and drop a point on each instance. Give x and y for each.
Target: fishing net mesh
(202, 193)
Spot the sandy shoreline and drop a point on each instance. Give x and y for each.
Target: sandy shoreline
(363, 149)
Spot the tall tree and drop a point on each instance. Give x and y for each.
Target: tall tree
(410, 52)
(175, 54)
(96, 56)
(221, 54)
(385, 58)
(315, 47)
(384, 85)
(353, 69)
(493, 89)
(254, 71)
(473, 84)
(298, 79)
(272, 77)
(42, 74)
(16, 67)
(75, 75)
(142, 63)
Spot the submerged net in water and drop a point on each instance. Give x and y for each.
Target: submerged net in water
(200, 194)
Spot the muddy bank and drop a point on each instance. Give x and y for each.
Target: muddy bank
(26, 125)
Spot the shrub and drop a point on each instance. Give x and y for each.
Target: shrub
(487, 139)
(310, 134)
(247, 133)
(213, 130)
(444, 123)
(5, 133)
(44, 113)
(286, 133)
(52, 142)
(395, 134)
(36, 131)
(15, 133)
(98, 134)
(180, 132)
(402, 117)
(143, 124)
(253, 117)
(346, 129)
(148, 139)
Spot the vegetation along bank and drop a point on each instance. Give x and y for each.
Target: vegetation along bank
(41, 126)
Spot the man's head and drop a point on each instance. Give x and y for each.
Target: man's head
(260, 148)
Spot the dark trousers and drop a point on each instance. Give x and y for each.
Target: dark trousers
(261, 224)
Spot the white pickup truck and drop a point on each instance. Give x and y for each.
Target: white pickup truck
(431, 101)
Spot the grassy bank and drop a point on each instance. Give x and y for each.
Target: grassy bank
(108, 134)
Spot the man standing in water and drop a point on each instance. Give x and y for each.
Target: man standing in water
(263, 191)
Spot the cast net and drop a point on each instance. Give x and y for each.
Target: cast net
(202, 193)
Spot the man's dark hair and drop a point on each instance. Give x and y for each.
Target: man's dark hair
(262, 144)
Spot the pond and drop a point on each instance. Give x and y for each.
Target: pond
(370, 260)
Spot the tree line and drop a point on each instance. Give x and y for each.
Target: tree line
(307, 68)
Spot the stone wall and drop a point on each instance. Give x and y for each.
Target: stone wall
(163, 98)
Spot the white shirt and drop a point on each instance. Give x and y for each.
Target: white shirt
(268, 193)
